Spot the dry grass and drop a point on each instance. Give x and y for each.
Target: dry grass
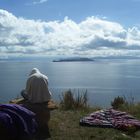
(64, 125)
(71, 101)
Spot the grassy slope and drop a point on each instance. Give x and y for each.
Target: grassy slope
(64, 125)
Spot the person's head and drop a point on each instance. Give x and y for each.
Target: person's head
(34, 70)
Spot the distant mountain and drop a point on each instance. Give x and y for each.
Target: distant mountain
(77, 59)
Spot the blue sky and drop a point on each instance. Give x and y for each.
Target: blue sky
(70, 27)
(125, 12)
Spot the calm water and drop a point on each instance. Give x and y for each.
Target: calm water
(104, 79)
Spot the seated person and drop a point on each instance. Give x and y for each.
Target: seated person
(37, 87)
(37, 96)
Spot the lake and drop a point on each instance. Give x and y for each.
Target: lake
(104, 79)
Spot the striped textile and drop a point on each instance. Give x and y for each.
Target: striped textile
(110, 118)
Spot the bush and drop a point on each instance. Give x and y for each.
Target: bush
(117, 102)
(71, 101)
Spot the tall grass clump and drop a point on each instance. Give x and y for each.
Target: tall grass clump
(118, 102)
(124, 104)
(71, 101)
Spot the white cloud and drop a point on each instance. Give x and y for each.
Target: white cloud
(35, 2)
(93, 36)
(40, 1)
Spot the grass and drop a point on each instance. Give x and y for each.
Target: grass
(121, 103)
(64, 123)
(73, 101)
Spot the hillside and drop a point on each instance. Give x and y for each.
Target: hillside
(77, 59)
(64, 125)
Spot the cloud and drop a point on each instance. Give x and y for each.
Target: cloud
(35, 2)
(91, 37)
(40, 1)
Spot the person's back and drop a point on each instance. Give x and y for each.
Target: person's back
(37, 87)
(37, 96)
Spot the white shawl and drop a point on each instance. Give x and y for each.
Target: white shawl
(37, 87)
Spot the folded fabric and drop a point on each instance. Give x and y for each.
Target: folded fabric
(51, 105)
(17, 120)
(110, 118)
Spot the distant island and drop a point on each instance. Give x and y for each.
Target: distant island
(79, 59)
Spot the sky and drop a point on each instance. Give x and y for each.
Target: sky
(89, 28)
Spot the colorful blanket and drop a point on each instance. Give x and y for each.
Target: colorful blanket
(110, 118)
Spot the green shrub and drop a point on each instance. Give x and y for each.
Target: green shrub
(118, 102)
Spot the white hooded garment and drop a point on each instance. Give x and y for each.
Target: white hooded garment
(37, 87)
